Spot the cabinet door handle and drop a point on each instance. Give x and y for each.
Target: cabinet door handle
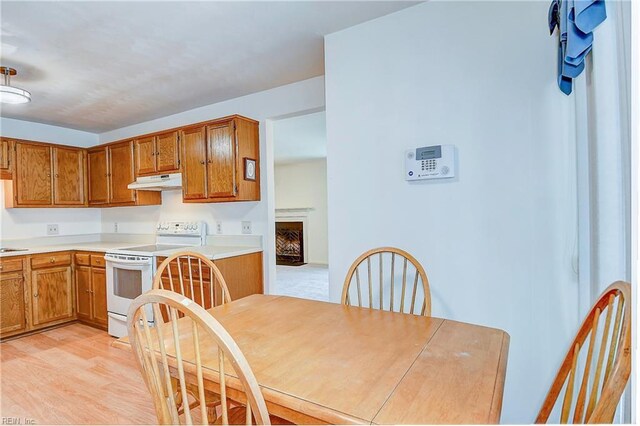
(158, 153)
(52, 260)
(202, 162)
(35, 294)
(57, 175)
(1, 267)
(153, 153)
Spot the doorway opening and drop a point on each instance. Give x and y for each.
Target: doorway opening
(300, 184)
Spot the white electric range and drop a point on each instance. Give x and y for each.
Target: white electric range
(130, 270)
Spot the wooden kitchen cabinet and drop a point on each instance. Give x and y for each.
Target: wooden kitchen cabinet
(243, 275)
(99, 297)
(194, 154)
(12, 309)
(110, 170)
(52, 295)
(32, 180)
(157, 154)
(221, 160)
(91, 289)
(98, 176)
(47, 176)
(145, 150)
(83, 292)
(6, 155)
(121, 173)
(214, 161)
(68, 176)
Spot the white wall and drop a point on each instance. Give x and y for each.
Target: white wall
(498, 240)
(39, 132)
(282, 101)
(29, 223)
(304, 185)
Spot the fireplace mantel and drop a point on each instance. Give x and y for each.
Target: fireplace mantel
(290, 211)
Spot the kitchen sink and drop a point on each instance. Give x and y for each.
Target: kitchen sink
(9, 250)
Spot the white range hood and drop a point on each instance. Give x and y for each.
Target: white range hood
(158, 183)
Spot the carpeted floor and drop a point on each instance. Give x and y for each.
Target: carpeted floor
(309, 281)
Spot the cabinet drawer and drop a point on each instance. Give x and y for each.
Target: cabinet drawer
(49, 260)
(83, 259)
(97, 260)
(12, 265)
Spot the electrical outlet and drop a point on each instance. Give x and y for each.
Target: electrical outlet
(219, 227)
(52, 229)
(115, 227)
(246, 227)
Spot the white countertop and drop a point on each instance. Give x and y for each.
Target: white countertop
(213, 252)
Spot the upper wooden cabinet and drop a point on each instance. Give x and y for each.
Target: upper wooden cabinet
(157, 154)
(47, 176)
(69, 176)
(98, 176)
(32, 182)
(216, 156)
(219, 161)
(111, 169)
(194, 169)
(6, 154)
(121, 173)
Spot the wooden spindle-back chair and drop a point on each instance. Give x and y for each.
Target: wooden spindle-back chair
(160, 349)
(195, 276)
(388, 292)
(605, 365)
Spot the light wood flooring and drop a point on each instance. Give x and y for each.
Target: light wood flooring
(71, 375)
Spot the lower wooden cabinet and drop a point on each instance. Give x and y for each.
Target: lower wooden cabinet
(83, 292)
(243, 275)
(91, 289)
(99, 296)
(52, 295)
(12, 308)
(49, 289)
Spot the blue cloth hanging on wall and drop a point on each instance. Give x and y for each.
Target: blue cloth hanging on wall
(575, 20)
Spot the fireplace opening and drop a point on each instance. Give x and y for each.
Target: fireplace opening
(289, 243)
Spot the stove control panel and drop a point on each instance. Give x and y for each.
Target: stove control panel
(182, 228)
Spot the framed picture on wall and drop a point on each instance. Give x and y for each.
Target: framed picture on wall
(249, 169)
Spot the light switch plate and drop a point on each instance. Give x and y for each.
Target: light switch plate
(219, 227)
(52, 229)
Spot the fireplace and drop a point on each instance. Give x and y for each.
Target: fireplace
(290, 243)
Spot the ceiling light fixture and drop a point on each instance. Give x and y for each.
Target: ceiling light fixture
(10, 94)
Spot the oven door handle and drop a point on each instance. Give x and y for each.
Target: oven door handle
(127, 262)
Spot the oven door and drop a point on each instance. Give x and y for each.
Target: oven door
(127, 278)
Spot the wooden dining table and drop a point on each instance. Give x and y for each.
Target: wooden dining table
(325, 363)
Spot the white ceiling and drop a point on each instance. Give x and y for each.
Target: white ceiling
(101, 66)
(300, 138)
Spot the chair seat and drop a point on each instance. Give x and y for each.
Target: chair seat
(238, 416)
